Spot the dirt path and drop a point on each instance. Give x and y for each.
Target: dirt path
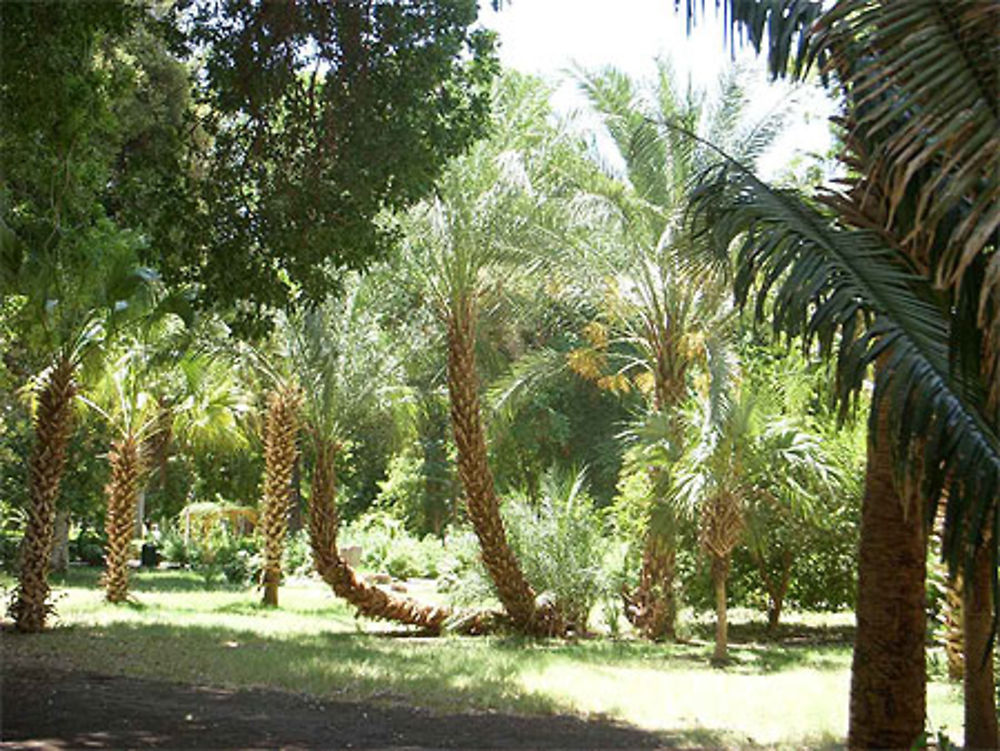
(57, 709)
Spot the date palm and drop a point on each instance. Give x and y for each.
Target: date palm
(919, 86)
(658, 303)
(749, 455)
(488, 220)
(347, 372)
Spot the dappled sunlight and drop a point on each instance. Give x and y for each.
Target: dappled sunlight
(789, 707)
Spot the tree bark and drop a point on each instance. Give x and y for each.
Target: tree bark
(888, 674)
(53, 426)
(653, 607)
(371, 601)
(280, 452)
(512, 588)
(980, 691)
(122, 496)
(720, 572)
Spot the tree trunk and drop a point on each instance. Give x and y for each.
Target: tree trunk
(295, 512)
(515, 593)
(59, 559)
(53, 425)
(888, 673)
(720, 572)
(980, 692)
(653, 607)
(122, 495)
(371, 601)
(280, 452)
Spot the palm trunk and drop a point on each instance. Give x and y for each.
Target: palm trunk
(122, 495)
(280, 451)
(653, 607)
(888, 673)
(980, 692)
(53, 425)
(515, 593)
(720, 572)
(371, 601)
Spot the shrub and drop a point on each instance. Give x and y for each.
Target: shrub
(174, 549)
(297, 557)
(561, 543)
(387, 546)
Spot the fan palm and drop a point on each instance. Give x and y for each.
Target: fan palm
(131, 411)
(663, 308)
(920, 87)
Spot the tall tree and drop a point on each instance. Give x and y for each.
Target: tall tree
(323, 116)
(924, 186)
(652, 304)
(488, 215)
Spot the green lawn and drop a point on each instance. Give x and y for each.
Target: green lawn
(791, 694)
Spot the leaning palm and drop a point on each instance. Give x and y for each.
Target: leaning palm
(347, 371)
(488, 215)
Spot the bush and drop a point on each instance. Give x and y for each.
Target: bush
(88, 547)
(387, 546)
(297, 557)
(174, 549)
(10, 547)
(561, 544)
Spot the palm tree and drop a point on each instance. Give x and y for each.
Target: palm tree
(488, 213)
(346, 370)
(924, 187)
(71, 311)
(654, 305)
(281, 429)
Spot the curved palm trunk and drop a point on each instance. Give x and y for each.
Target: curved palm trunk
(280, 451)
(370, 601)
(515, 593)
(53, 425)
(122, 493)
(980, 691)
(888, 672)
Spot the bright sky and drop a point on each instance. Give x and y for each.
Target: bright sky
(547, 37)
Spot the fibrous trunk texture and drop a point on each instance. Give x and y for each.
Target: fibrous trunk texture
(652, 609)
(515, 593)
(720, 572)
(371, 601)
(53, 425)
(980, 691)
(122, 492)
(888, 674)
(280, 452)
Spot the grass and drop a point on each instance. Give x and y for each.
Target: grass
(789, 694)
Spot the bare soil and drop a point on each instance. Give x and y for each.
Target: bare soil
(50, 708)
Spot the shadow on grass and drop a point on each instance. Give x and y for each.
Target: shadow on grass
(84, 710)
(146, 580)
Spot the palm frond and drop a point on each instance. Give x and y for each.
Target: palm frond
(783, 25)
(852, 294)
